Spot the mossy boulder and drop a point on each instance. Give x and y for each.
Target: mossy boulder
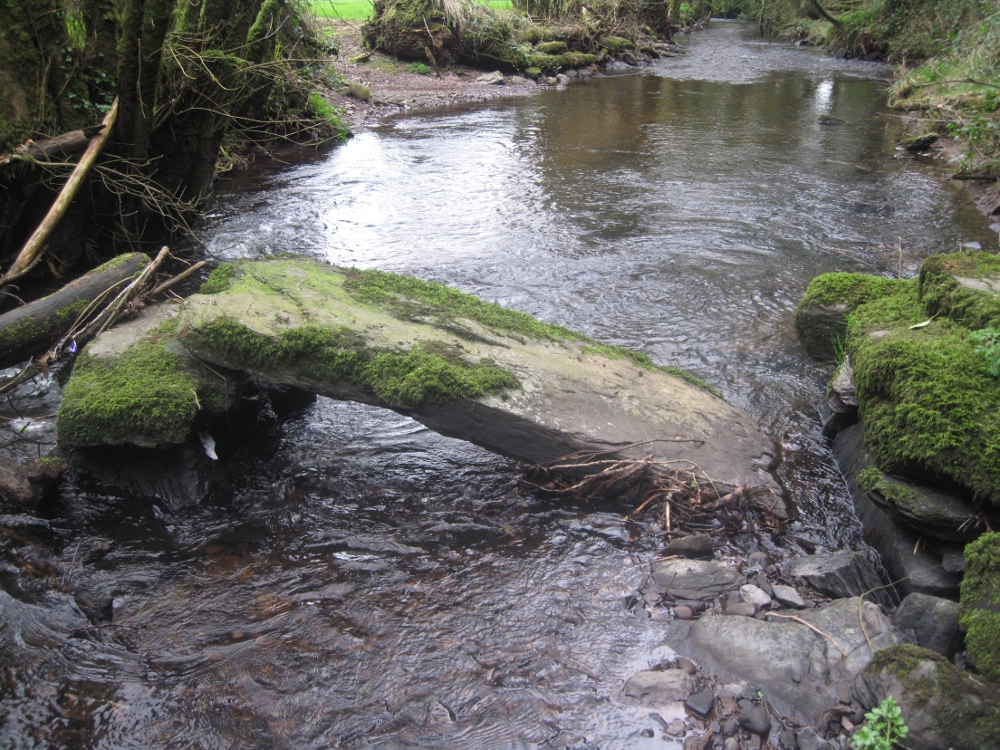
(553, 48)
(821, 317)
(616, 45)
(927, 399)
(981, 605)
(942, 705)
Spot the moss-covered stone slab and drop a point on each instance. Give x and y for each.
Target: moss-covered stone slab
(981, 605)
(943, 706)
(465, 368)
(135, 384)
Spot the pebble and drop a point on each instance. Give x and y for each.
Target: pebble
(518, 80)
(701, 703)
(754, 595)
(742, 609)
(789, 597)
(675, 728)
(687, 665)
(759, 560)
(788, 740)
(731, 743)
(755, 720)
(729, 728)
(696, 546)
(683, 612)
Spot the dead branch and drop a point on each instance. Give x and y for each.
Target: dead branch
(35, 246)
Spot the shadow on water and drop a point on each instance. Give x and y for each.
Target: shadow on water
(362, 582)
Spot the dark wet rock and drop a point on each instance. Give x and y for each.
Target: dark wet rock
(838, 575)
(800, 671)
(842, 402)
(683, 612)
(26, 483)
(788, 740)
(656, 688)
(819, 326)
(953, 561)
(696, 546)
(942, 705)
(829, 120)
(932, 621)
(98, 608)
(914, 567)
(730, 727)
(755, 720)
(789, 597)
(701, 703)
(741, 609)
(694, 579)
(919, 143)
(936, 513)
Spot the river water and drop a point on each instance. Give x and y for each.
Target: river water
(354, 580)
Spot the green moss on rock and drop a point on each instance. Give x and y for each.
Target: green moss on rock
(431, 371)
(942, 294)
(981, 604)
(821, 317)
(928, 403)
(147, 397)
(616, 44)
(220, 279)
(553, 48)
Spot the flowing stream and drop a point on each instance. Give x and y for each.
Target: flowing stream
(363, 582)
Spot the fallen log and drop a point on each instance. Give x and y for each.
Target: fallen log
(30, 329)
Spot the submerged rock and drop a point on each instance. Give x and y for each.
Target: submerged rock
(463, 367)
(694, 579)
(944, 708)
(654, 688)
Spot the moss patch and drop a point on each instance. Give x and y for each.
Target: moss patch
(964, 714)
(981, 604)
(941, 294)
(821, 317)
(928, 403)
(220, 279)
(431, 371)
(147, 397)
(409, 298)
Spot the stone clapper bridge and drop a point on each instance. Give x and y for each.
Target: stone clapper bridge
(463, 367)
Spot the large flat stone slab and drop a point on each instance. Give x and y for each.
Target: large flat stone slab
(567, 394)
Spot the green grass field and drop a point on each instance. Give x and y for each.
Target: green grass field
(360, 10)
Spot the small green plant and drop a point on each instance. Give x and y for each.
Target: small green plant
(421, 69)
(884, 727)
(988, 340)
